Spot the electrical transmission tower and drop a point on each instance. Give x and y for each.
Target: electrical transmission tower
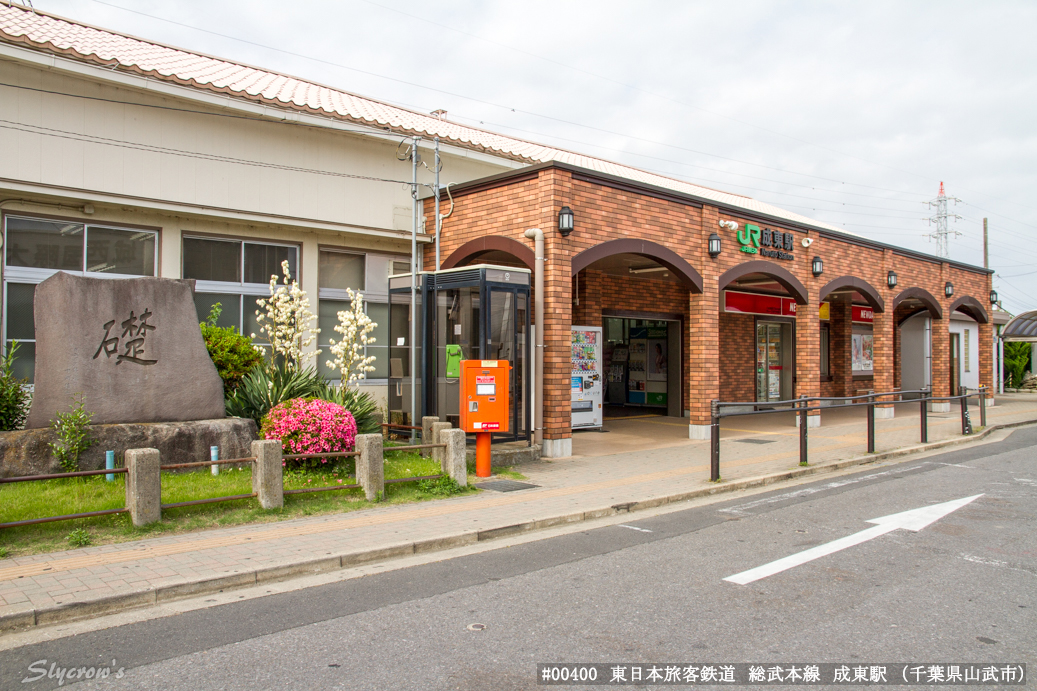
(942, 232)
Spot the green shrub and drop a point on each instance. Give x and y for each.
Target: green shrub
(73, 434)
(445, 486)
(360, 403)
(3, 553)
(14, 398)
(260, 390)
(233, 353)
(78, 538)
(1017, 360)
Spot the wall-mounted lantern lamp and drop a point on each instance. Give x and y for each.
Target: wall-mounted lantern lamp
(714, 245)
(993, 297)
(566, 221)
(891, 279)
(948, 289)
(817, 266)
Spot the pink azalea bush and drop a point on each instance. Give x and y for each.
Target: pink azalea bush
(310, 425)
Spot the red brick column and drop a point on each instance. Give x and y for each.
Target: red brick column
(941, 355)
(555, 190)
(882, 327)
(808, 353)
(703, 356)
(986, 357)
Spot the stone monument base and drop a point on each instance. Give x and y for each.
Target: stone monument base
(26, 452)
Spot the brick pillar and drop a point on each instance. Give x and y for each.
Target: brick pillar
(941, 356)
(702, 360)
(555, 191)
(841, 334)
(897, 381)
(882, 327)
(986, 357)
(808, 355)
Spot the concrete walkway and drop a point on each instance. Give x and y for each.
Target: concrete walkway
(641, 463)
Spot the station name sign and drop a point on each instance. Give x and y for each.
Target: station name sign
(775, 244)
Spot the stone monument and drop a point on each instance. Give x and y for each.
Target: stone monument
(131, 347)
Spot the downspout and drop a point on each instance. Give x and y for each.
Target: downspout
(538, 288)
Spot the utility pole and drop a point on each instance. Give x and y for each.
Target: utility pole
(414, 284)
(440, 220)
(941, 235)
(986, 255)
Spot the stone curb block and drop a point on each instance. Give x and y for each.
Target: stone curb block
(28, 617)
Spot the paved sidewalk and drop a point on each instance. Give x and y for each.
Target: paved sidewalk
(42, 589)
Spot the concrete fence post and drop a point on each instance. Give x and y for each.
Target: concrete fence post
(370, 465)
(454, 461)
(426, 432)
(268, 473)
(437, 438)
(143, 486)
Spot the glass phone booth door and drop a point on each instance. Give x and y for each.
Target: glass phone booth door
(773, 361)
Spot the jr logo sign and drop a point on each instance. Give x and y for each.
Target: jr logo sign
(749, 238)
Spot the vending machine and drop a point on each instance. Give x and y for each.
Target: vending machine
(587, 381)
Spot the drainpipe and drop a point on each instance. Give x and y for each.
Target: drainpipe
(538, 288)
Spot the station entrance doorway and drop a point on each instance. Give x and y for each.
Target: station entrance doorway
(642, 366)
(774, 361)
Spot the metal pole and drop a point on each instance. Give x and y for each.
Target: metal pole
(537, 236)
(871, 424)
(214, 455)
(964, 409)
(714, 440)
(439, 221)
(109, 464)
(803, 432)
(983, 406)
(414, 284)
(925, 421)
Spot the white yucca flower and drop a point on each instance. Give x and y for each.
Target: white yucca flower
(354, 325)
(288, 321)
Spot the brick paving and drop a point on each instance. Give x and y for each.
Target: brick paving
(641, 459)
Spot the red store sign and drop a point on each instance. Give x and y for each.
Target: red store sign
(865, 315)
(751, 303)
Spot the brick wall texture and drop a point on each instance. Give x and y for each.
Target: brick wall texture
(718, 349)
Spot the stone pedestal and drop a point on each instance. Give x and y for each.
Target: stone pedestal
(25, 452)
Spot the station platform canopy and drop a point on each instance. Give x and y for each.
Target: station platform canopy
(1021, 328)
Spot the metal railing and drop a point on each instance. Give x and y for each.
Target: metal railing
(804, 406)
(58, 476)
(329, 488)
(207, 464)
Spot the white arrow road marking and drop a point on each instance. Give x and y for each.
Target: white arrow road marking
(915, 520)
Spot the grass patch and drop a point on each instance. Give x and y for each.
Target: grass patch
(26, 500)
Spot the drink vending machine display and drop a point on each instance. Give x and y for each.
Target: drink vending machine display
(587, 382)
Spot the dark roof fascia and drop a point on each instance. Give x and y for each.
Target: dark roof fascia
(589, 175)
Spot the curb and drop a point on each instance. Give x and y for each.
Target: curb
(24, 616)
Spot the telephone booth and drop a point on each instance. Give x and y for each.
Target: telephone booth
(472, 313)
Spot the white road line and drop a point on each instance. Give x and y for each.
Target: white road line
(634, 527)
(914, 520)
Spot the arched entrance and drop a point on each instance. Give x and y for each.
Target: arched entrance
(914, 312)
(491, 250)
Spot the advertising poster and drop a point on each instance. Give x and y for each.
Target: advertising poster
(657, 360)
(863, 352)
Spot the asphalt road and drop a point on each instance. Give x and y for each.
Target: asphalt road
(963, 589)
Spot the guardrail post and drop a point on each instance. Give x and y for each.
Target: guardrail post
(714, 440)
(983, 406)
(370, 466)
(925, 420)
(426, 432)
(454, 463)
(438, 455)
(963, 392)
(268, 473)
(803, 424)
(871, 424)
(143, 486)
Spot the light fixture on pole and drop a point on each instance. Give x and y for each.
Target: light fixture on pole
(891, 279)
(714, 245)
(566, 221)
(817, 266)
(948, 289)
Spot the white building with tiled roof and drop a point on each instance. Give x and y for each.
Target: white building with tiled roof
(124, 157)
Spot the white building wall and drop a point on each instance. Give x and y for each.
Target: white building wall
(969, 335)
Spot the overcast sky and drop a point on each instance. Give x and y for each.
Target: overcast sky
(850, 114)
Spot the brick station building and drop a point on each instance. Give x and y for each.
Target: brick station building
(785, 309)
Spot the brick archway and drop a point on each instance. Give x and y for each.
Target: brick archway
(867, 291)
(759, 266)
(972, 307)
(473, 248)
(925, 297)
(667, 257)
